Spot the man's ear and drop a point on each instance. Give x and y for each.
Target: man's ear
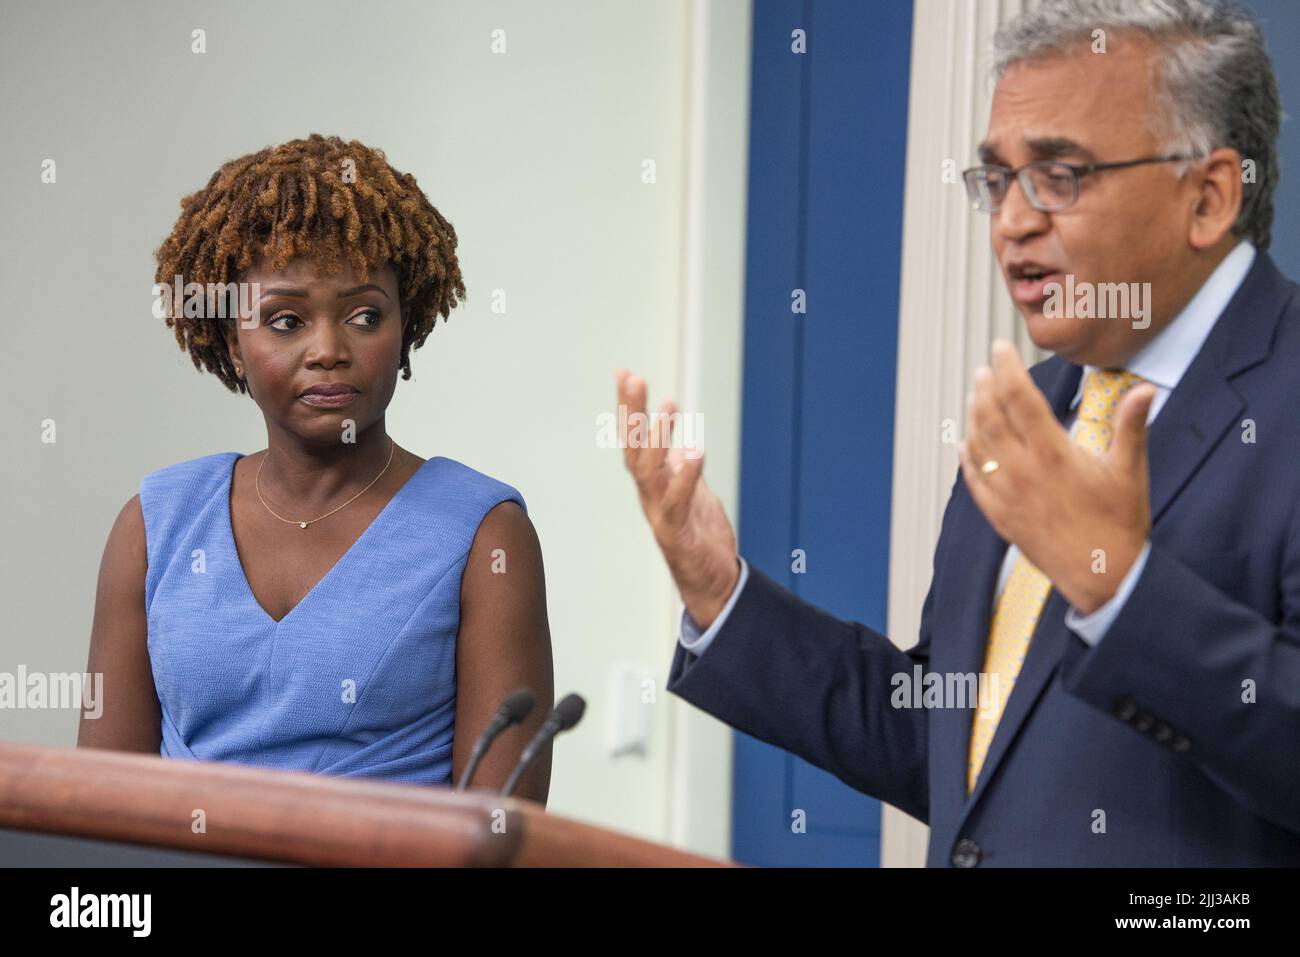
(1218, 198)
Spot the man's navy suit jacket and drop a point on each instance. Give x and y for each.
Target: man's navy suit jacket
(1175, 741)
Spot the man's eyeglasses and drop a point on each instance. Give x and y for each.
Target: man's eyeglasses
(1049, 185)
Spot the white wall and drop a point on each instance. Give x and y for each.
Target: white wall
(535, 156)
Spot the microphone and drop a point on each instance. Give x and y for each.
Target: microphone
(566, 714)
(513, 710)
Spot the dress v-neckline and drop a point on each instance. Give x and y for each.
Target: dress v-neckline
(239, 564)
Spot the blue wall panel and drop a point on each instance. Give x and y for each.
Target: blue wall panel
(827, 150)
(1280, 21)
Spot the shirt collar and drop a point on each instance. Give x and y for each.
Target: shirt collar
(1164, 359)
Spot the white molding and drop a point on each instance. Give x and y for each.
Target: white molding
(711, 344)
(952, 304)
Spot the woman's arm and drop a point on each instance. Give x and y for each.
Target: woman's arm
(504, 644)
(130, 718)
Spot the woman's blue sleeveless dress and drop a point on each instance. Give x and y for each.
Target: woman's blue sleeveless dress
(359, 679)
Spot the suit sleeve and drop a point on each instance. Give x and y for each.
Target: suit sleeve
(1208, 676)
(786, 672)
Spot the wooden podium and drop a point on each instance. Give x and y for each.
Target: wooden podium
(298, 818)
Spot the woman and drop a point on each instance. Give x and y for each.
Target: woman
(332, 603)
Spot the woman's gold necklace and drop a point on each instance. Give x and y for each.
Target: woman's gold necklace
(256, 485)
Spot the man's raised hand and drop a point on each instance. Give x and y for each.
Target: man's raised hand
(687, 519)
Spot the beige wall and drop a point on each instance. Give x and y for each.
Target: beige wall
(536, 158)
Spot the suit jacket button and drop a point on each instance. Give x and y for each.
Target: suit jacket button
(1162, 732)
(966, 853)
(1143, 722)
(1180, 744)
(1125, 709)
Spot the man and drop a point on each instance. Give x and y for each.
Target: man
(1120, 555)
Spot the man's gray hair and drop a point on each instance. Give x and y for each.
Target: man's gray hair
(1217, 86)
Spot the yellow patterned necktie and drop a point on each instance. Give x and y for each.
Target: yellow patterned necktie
(1026, 590)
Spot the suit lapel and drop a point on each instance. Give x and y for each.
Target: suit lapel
(973, 570)
(1205, 405)
(1045, 650)
(970, 573)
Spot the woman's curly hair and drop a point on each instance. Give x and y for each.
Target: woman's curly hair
(322, 198)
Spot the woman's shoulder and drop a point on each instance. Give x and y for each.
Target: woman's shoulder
(462, 503)
(174, 499)
(204, 468)
(184, 484)
(450, 475)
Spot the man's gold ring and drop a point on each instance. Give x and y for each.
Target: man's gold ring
(989, 467)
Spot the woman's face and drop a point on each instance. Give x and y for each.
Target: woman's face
(314, 330)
